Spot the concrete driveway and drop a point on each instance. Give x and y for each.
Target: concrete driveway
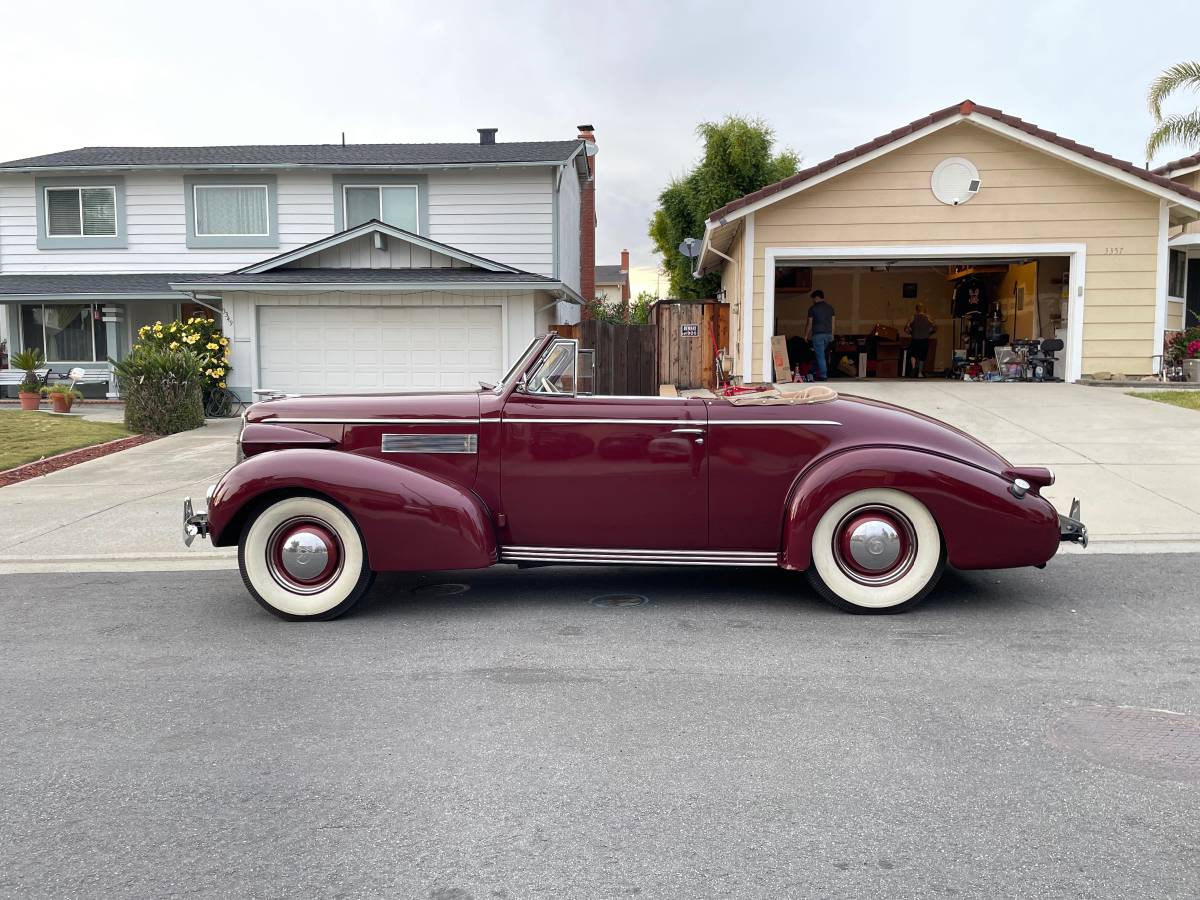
(118, 513)
(1133, 463)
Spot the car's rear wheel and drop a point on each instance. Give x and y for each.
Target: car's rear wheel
(876, 551)
(303, 558)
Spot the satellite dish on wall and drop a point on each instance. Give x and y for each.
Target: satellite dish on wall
(955, 181)
(690, 247)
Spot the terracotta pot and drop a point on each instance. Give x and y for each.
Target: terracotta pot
(59, 403)
(30, 399)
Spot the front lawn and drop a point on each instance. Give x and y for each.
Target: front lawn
(28, 436)
(1186, 399)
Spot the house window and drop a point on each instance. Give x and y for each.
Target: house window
(1177, 274)
(231, 210)
(81, 211)
(65, 332)
(394, 204)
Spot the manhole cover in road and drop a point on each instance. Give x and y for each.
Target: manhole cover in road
(619, 600)
(441, 590)
(1153, 742)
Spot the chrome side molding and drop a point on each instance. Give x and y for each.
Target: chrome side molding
(430, 443)
(611, 557)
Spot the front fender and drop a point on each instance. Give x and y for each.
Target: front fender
(983, 525)
(410, 520)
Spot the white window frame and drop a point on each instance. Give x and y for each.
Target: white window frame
(266, 189)
(79, 189)
(46, 343)
(416, 189)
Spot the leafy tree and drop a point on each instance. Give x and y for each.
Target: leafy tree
(738, 158)
(614, 312)
(1173, 129)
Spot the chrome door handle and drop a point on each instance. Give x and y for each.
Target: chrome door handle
(687, 431)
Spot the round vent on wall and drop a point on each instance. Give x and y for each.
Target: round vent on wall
(955, 180)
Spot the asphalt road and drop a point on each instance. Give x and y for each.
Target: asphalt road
(733, 737)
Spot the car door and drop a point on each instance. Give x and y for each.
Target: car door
(583, 472)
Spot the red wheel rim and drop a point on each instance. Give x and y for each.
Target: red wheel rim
(304, 555)
(874, 545)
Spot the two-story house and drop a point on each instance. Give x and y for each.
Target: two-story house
(332, 267)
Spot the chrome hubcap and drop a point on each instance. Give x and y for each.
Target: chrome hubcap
(875, 545)
(304, 555)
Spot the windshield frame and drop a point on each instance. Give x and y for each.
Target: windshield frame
(520, 365)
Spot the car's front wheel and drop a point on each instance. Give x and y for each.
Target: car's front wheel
(302, 558)
(876, 551)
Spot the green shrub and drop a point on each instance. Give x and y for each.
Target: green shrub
(162, 389)
(30, 360)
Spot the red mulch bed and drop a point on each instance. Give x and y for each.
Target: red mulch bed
(71, 458)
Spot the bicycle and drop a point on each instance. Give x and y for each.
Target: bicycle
(222, 403)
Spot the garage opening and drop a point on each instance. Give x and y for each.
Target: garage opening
(988, 318)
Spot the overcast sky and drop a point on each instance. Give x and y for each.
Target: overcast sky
(825, 75)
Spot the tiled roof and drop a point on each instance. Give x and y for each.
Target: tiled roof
(304, 155)
(611, 275)
(91, 284)
(1185, 162)
(445, 275)
(966, 108)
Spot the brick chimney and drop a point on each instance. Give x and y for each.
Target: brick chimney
(625, 288)
(587, 222)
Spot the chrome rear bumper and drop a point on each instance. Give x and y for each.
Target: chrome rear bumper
(1071, 529)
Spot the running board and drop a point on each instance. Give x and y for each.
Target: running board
(609, 557)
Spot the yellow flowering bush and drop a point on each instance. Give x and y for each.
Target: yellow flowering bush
(198, 334)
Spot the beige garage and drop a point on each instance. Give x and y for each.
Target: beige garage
(1073, 242)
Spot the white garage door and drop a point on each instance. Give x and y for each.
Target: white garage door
(337, 349)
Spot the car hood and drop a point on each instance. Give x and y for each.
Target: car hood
(353, 407)
(867, 421)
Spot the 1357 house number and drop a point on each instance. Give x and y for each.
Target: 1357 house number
(1113, 251)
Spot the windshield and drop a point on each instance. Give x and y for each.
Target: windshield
(555, 371)
(519, 365)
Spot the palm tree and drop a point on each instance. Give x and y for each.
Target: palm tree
(1173, 129)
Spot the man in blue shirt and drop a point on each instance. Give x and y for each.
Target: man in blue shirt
(819, 331)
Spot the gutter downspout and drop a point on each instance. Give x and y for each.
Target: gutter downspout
(219, 310)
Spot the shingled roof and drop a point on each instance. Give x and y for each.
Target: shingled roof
(966, 108)
(611, 275)
(284, 155)
(442, 276)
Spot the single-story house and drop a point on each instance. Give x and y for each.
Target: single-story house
(612, 282)
(1068, 240)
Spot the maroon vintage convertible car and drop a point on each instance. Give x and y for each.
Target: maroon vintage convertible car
(872, 501)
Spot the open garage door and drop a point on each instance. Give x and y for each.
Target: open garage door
(341, 349)
(977, 297)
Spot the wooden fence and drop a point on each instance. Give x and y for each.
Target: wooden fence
(686, 333)
(624, 356)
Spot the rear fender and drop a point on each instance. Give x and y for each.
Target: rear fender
(410, 520)
(982, 524)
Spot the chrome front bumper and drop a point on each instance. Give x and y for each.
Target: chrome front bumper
(1071, 529)
(194, 524)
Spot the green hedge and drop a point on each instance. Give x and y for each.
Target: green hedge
(163, 389)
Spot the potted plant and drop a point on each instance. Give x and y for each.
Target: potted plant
(62, 395)
(30, 390)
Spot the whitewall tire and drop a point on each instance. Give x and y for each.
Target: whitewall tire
(303, 558)
(876, 551)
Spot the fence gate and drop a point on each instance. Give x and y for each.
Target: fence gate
(686, 333)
